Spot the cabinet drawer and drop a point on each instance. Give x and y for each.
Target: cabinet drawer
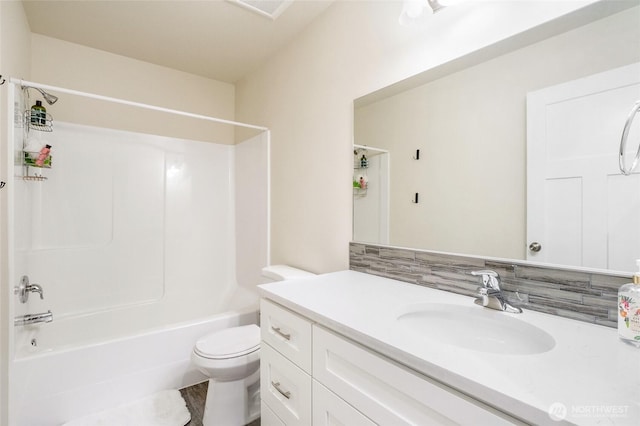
(285, 388)
(391, 394)
(288, 333)
(268, 417)
(329, 410)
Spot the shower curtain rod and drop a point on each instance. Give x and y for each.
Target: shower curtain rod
(131, 103)
(382, 151)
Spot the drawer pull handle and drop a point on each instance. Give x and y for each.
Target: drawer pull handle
(285, 394)
(278, 331)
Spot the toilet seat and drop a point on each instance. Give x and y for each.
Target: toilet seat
(229, 343)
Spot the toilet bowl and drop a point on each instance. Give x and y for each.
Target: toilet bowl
(231, 360)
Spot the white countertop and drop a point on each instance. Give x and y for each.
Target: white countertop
(589, 370)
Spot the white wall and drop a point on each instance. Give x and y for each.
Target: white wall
(305, 94)
(15, 57)
(68, 65)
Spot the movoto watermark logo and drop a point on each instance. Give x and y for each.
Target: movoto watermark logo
(558, 411)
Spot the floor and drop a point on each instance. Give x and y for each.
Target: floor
(195, 396)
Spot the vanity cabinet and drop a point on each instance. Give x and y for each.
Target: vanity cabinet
(285, 366)
(284, 388)
(286, 332)
(331, 410)
(347, 383)
(268, 417)
(389, 393)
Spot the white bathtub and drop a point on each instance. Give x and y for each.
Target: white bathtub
(55, 384)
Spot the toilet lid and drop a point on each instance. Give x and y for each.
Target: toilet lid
(230, 342)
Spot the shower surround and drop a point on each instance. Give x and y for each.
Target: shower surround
(131, 235)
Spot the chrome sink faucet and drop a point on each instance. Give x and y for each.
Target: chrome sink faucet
(490, 295)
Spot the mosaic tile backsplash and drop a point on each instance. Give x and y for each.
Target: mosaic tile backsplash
(583, 296)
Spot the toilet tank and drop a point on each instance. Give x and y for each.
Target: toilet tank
(274, 273)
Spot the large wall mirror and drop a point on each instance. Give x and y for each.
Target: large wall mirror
(460, 158)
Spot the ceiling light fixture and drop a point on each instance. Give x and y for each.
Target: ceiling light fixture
(267, 8)
(436, 5)
(413, 9)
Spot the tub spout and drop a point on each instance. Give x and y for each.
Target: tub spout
(33, 318)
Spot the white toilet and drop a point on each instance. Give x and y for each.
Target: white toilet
(231, 359)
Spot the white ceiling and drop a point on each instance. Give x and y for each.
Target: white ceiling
(211, 38)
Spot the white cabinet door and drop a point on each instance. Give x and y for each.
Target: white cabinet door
(580, 208)
(330, 410)
(288, 333)
(390, 394)
(285, 388)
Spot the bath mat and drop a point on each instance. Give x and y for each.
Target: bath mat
(166, 408)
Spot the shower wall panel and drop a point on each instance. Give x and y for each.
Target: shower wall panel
(252, 206)
(127, 219)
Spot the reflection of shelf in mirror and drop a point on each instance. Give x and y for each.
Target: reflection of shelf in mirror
(359, 191)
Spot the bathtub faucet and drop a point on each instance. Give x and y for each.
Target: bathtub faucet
(35, 288)
(33, 318)
(23, 290)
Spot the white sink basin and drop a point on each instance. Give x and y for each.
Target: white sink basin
(476, 328)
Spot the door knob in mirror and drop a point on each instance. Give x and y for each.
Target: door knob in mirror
(535, 247)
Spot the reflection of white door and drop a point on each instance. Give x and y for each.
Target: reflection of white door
(580, 208)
